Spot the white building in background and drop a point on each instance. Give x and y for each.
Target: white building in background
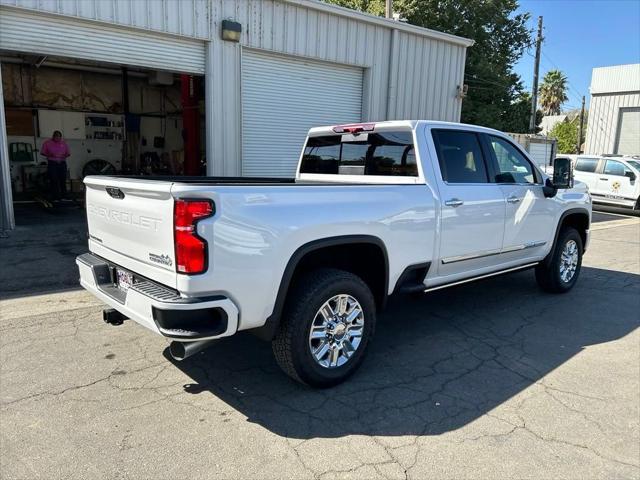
(276, 69)
(550, 121)
(541, 148)
(614, 111)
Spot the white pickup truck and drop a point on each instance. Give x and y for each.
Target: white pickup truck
(374, 209)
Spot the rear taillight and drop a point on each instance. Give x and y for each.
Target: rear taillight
(191, 249)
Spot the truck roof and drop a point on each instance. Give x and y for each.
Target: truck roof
(400, 124)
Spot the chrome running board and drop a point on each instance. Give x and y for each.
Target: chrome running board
(487, 275)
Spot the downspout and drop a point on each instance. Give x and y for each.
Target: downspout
(392, 89)
(7, 221)
(209, 121)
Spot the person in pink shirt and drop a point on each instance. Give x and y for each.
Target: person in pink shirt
(56, 151)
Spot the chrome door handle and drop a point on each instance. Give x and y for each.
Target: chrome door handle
(513, 199)
(454, 202)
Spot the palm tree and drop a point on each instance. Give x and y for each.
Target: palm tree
(553, 92)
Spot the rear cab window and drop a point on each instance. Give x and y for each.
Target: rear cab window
(374, 154)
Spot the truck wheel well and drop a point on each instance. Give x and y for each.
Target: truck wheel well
(579, 221)
(362, 255)
(366, 260)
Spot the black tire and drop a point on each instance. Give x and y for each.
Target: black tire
(548, 272)
(291, 344)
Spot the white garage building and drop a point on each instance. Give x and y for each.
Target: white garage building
(297, 63)
(614, 112)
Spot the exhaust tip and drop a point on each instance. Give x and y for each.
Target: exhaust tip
(178, 351)
(182, 350)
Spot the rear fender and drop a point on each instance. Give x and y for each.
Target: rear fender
(268, 330)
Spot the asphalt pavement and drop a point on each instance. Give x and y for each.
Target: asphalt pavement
(489, 380)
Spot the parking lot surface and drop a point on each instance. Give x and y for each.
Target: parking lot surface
(489, 380)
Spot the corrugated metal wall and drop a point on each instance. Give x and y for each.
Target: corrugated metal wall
(31, 32)
(604, 113)
(425, 71)
(189, 18)
(426, 79)
(615, 79)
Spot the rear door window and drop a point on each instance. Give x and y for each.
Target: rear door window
(460, 156)
(380, 153)
(587, 165)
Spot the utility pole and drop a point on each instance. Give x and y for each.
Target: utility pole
(536, 68)
(581, 126)
(388, 9)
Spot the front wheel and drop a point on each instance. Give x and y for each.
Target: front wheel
(327, 324)
(559, 272)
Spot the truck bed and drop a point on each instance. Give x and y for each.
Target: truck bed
(245, 181)
(200, 180)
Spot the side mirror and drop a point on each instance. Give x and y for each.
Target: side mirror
(631, 175)
(562, 177)
(562, 173)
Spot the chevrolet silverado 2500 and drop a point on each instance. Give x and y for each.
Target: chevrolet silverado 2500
(374, 209)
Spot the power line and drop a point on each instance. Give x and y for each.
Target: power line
(571, 85)
(487, 81)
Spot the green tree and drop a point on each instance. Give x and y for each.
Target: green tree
(567, 134)
(553, 92)
(374, 7)
(516, 117)
(500, 35)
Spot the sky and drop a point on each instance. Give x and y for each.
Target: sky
(580, 35)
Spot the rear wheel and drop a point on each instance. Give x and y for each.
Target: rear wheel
(327, 324)
(559, 273)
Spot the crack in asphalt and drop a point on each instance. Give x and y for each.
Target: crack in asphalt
(424, 382)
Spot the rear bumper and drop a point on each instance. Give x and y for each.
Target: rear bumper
(157, 307)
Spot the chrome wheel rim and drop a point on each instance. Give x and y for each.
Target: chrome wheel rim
(569, 261)
(336, 331)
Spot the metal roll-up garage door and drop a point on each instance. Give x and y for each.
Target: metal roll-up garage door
(628, 141)
(282, 97)
(541, 153)
(29, 32)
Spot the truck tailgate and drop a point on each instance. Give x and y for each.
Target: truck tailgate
(131, 224)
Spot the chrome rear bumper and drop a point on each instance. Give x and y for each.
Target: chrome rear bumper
(157, 307)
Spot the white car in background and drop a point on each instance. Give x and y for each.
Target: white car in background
(613, 181)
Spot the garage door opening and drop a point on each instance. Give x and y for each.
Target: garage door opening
(628, 136)
(115, 119)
